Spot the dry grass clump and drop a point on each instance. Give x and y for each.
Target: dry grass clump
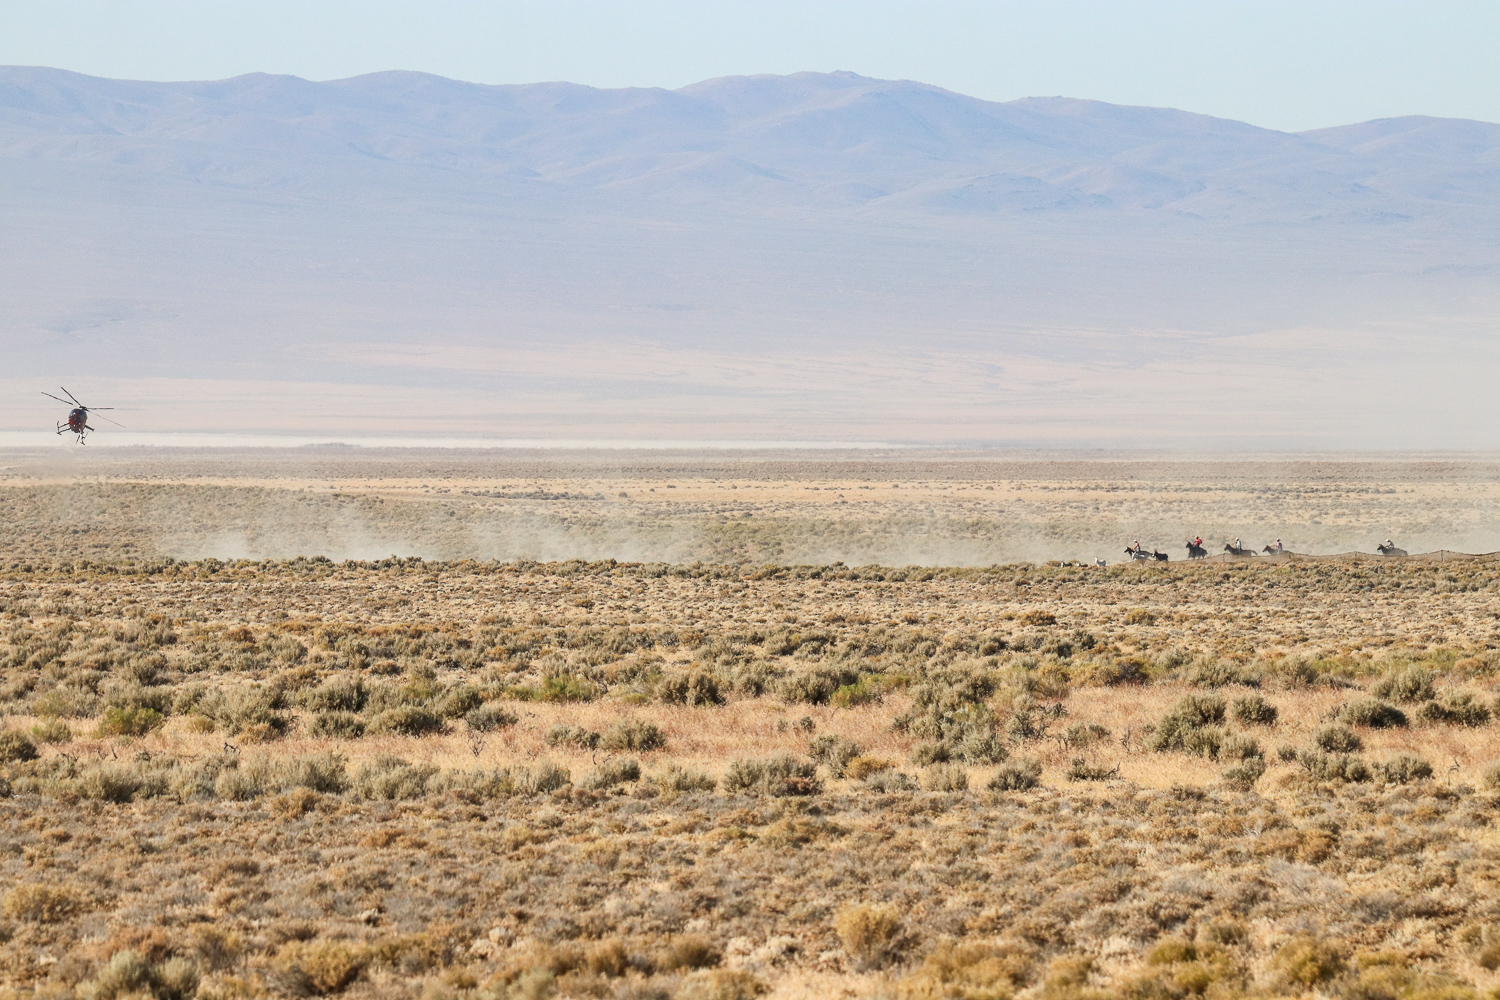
(871, 935)
(41, 903)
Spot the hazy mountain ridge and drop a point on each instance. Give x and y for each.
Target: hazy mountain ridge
(807, 140)
(817, 256)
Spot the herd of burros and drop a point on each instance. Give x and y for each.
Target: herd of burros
(1196, 549)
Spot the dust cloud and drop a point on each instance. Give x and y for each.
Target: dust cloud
(951, 508)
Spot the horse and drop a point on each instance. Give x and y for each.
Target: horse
(1196, 551)
(1153, 554)
(1272, 550)
(1238, 552)
(1390, 550)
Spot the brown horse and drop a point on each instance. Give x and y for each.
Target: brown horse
(1238, 552)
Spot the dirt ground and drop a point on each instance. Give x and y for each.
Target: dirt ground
(891, 509)
(236, 765)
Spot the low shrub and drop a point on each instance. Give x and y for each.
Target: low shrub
(337, 725)
(1338, 739)
(1084, 734)
(860, 768)
(109, 782)
(129, 721)
(340, 693)
(780, 775)
(66, 701)
(48, 731)
(862, 692)
(1402, 769)
(1253, 710)
(1459, 709)
(1208, 741)
(690, 951)
(1115, 673)
(1408, 685)
(545, 777)
(561, 688)
(635, 735)
(614, 772)
(324, 965)
(1220, 673)
(129, 974)
(888, 780)
(16, 747)
(815, 686)
(1371, 712)
(1334, 766)
(407, 720)
(41, 903)
(458, 701)
(871, 935)
(575, 736)
(1181, 728)
(971, 970)
(242, 708)
(692, 688)
(1081, 770)
(321, 772)
(722, 984)
(834, 752)
(1492, 777)
(393, 779)
(489, 717)
(1245, 774)
(1015, 776)
(678, 779)
(1308, 962)
(1237, 746)
(946, 778)
(926, 754)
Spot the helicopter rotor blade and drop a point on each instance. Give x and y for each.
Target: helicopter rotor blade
(70, 396)
(115, 422)
(91, 409)
(62, 401)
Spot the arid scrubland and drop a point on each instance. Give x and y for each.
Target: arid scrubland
(480, 779)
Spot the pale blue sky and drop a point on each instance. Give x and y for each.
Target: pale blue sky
(1288, 65)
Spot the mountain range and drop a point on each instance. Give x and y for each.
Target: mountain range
(834, 140)
(806, 255)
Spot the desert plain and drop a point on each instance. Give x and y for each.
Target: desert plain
(337, 721)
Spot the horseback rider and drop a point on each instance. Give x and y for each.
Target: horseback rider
(1198, 541)
(1137, 546)
(1278, 546)
(1237, 545)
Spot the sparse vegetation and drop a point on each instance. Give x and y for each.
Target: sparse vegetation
(600, 779)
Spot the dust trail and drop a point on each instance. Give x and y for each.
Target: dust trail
(948, 510)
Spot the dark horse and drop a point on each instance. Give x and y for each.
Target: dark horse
(1196, 551)
(1390, 550)
(1238, 552)
(1272, 550)
(1137, 554)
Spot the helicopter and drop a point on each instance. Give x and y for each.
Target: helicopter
(78, 418)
